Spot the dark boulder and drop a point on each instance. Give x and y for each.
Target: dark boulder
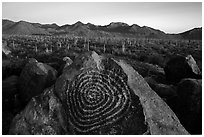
(12, 67)
(189, 107)
(34, 78)
(9, 91)
(180, 67)
(44, 114)
(163, 90)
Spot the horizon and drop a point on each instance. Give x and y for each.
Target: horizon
(99, 25)
(169, 17)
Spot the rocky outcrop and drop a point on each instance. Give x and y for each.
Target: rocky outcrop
(44, 114)
(34, 78)
(180, 67)
(99, 95)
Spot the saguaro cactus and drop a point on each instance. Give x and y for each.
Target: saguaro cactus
(123, 47)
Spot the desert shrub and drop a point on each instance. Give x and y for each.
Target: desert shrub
(143, 57)
(156, 59)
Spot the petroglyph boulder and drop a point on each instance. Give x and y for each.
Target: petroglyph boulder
(107, 96)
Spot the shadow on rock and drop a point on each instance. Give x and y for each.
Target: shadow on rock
(189, 109)
(34, 78)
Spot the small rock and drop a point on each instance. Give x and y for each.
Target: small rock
(32, 60)
(68, 62)
(192, 63)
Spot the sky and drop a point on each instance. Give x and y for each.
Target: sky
(170, 17)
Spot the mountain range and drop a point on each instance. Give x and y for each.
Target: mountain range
(114, 29)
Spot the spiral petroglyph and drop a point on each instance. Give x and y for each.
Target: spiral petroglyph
(97, 98)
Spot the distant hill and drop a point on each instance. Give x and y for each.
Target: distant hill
(114, 29)
(195, 34)
(6, 24)
(24, 28)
